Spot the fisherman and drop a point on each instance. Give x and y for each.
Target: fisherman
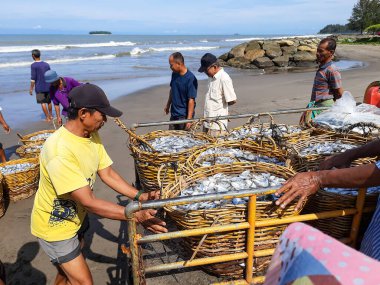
(305, 184)
(59, 90)
(327, 86)
(219, 96)
(70, 160)
(183, 91)
(38, 69)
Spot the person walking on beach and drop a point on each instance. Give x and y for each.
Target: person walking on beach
(59, 90)
(37, 82)
(70, 160)
(306, 184)
(327, 86)
(183, 91)
(7, 129)
(219, 96)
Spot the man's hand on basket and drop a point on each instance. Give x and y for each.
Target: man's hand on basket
(301, 185)
(188, 126)
(342, 160)
(147, 219)
(152, 195)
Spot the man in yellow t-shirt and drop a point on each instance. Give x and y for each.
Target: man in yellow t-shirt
(70, 160)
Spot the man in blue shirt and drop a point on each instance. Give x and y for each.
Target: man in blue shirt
(183, 91)
(38, 69)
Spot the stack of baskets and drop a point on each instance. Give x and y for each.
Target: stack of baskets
(310, 162)
(30, 150)
(229, 242)
(36, 137)
(156, 169)
(22, 183)
(194, 162)
(2, 200)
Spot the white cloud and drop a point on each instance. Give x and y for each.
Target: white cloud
(38, 27)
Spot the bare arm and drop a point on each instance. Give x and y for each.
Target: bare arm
(32, 83)
(308, 183)
(113, 211)
(370, 149)
(190, 112)
(6, 128)
(168, 104)
(58, 113)
(338, 93)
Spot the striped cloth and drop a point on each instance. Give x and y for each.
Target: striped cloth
(371, 241)
(326, 80)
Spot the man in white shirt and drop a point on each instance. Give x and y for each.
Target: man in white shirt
(219, 96)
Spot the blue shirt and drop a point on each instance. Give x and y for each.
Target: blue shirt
(38, 70)
(183, 88)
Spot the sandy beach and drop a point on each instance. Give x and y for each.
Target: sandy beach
(19, 251)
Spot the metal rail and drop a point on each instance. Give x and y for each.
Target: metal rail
(253, 115)
(139, 270)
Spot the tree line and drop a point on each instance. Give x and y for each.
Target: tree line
(365, 13)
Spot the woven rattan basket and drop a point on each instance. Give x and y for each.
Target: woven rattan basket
(30, 138)
(310, 162)
(22, 184)
(30, 150)
(194, 162)
(338, 227)
(2, 200)
(229, 242)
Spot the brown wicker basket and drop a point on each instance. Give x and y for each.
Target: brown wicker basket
(29, 138)
(194, 162)
(22, 184)
(30, 150)
(229, 242)
(2, 200)
(338, 227)
(310, 162)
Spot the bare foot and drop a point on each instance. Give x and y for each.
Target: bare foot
(47, 120)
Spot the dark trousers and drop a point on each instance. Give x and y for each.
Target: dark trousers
(177, 127)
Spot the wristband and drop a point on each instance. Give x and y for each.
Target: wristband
(138, 195)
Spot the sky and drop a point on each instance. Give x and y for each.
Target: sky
(197, 17)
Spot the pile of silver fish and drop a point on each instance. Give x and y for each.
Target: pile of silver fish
(34, 148)
(326, 148)
(254, 132)
(352, 192)
(221, 182)
(42, 136)
(219, 155)
(174, 144)
(11, 169)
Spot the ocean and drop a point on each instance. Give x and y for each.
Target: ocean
(120, 64)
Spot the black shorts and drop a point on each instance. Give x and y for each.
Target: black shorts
(43, 97)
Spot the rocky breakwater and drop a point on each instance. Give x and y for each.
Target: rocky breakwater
(273, 54)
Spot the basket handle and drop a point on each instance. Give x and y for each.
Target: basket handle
(132, 134)
(194, 127)
(220, 124)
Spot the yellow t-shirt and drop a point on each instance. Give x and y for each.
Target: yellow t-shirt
(67, 163)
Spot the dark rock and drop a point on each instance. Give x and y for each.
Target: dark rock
(272, 49)
(281, 61)
(303, 56)
(263, 62)
(241, 62)
(224, 56)
(289, 50)
(238, 51)
(253, 45)
(306, 64)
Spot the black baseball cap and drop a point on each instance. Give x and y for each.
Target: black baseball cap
(206, 61)
(91, 96)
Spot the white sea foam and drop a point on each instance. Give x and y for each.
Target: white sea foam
(137, 51)
(58, 61)
(13, 49)
(277, 38)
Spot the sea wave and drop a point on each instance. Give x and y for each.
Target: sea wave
(276, 38)
(13, 49)
(138, 51)
(58, 61)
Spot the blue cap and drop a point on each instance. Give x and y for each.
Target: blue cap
(206, 61)
(51, 76)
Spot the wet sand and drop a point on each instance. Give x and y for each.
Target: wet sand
(27, 264)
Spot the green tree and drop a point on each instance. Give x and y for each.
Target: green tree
(365, 13)
(335, 29)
